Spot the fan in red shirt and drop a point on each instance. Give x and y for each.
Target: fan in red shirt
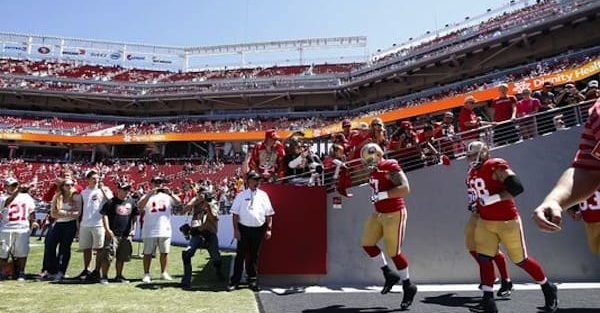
(468, 121)
(492, 186)
(267, 157)
(358, 140)
(504, 110)
(347, 128)
(388, 222)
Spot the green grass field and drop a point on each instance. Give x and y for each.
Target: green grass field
(207, 295)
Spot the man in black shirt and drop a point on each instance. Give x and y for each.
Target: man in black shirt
(118, 216)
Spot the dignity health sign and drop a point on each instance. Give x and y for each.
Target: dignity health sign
(571, 75)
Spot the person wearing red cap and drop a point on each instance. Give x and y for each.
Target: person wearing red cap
(358, 140)
(347, 128)
(267, 157)
(468, 121)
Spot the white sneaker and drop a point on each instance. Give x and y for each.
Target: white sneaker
(59, 276)
(146, 279)
(165, 276)
(104, 281)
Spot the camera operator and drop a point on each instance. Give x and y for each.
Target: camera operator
(305, 165)
(202, 233)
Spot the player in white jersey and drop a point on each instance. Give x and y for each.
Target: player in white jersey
(15, 213)
(157, 206)
(91, 230)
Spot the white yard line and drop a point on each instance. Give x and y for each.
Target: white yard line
(422, 288)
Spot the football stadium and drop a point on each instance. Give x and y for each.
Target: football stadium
(454, 170)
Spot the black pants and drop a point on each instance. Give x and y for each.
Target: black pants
(250, 241)
(61, 235)
(203, 240)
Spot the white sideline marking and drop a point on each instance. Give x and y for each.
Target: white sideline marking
(422, 288)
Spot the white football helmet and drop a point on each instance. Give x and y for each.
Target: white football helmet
(370, 154)
(477, 153)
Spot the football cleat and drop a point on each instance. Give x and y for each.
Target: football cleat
(391, 278)
(506, 288)
(409, 295)
(488, 305)
(550, 297)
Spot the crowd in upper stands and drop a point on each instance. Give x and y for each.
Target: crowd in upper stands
(79, 127)
(88, 78)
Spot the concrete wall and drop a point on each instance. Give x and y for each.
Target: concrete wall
(436, 217)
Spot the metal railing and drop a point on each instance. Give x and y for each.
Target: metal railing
(496, 135)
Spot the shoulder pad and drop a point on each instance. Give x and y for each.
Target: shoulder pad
(389, 165)
(497, 163)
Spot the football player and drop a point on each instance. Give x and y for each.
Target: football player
(589, 211)
(579, 181)
(390, 185)
(499, 259)
(493, 186)
(14, 226)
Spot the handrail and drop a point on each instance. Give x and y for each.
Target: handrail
(496, 135)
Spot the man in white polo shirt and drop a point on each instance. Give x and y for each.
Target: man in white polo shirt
(91, 230)
(158, 205)
(252, 220)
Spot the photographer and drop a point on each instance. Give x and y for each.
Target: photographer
(202, 233)
(304, 165)
(158, 206)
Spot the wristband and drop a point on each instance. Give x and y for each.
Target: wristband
(489, 200)
(382, 195)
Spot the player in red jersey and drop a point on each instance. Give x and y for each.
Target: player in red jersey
(579, 181)
(589, 211)
(388, 222)
(492, 186)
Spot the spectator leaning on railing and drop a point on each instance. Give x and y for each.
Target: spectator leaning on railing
(592, 91)
(526, 107)
(503, 111)
(568, 96)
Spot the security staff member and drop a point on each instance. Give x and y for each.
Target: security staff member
(252, 220)
(202, 231)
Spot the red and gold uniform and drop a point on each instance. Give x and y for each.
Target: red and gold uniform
(588, 155)
(268, 162)
(498, 222)
(590, 212)
(389, 220)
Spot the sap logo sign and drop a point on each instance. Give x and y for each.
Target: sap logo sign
(99, 54)
(15, 48)
(132, 57)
